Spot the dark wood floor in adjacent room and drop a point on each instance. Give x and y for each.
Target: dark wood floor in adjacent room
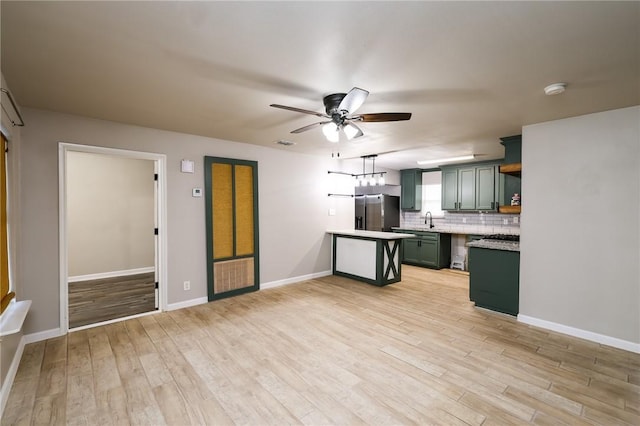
(327, 351)
(105, 299)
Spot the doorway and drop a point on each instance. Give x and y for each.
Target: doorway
(111, 246)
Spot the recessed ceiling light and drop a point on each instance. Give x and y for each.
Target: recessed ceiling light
(285, 142)
(447, 160)
(555, 89)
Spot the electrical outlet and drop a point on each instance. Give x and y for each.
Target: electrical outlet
(187, 285)
(516, 219)
(464, 220)
(505, 221)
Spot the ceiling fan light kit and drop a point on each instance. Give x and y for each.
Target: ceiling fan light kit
(339, 108)
(331, 132)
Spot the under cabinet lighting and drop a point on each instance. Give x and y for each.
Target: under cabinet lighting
(447, 160)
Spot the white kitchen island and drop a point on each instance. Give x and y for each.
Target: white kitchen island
(369, 256)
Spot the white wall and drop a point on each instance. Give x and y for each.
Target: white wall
(110, 213)
(293, 206)
(580, 244)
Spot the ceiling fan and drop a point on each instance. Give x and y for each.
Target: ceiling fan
(340, 109)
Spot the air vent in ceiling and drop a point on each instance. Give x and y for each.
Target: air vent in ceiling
(285, 142)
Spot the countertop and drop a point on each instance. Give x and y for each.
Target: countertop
(370, 234)
(495, 245)
(462, 229)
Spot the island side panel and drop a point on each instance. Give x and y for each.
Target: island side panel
(355, 257)
(390, 268)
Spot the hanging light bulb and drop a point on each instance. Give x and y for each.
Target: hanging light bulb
(372, 181)
(381, 180)
(358, 183)
(330, 131)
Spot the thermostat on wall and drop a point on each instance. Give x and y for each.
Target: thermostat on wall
(196, 192)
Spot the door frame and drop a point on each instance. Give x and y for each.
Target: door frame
(160, 166)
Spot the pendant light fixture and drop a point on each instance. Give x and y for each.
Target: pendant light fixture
(365, 178)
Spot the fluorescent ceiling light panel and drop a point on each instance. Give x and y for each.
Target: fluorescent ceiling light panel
(447, 160)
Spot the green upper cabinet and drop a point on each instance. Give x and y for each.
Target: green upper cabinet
(485, 187)
(470, 187)
(467, 188)
(411, 189)
(449, 189)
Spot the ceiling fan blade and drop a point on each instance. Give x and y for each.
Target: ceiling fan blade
(304, 111)
(310, 126)
(383, 116)
(353, 100)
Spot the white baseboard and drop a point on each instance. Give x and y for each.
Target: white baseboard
(11, 375)
(111, 274)
(42, 335)
(272, 284)
(294, 280)
(187, 303)
(582, 334)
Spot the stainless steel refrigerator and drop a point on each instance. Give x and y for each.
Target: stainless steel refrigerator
(377, 212)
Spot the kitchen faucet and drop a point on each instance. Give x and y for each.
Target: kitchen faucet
(428, 215)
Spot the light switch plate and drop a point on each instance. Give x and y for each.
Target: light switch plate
(196, 192)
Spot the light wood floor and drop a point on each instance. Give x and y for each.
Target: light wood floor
(327, 351)
(105, 299)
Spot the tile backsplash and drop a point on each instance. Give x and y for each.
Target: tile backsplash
(492, 223)
(495, 220)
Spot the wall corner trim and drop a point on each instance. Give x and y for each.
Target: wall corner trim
(582, 334)
(293, 280)
(11, 375)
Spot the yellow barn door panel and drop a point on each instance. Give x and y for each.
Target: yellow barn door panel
(222, 199)
(244, 210)
(5, 294)
(232, 230)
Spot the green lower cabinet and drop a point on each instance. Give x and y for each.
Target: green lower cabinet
(411, 250)
(428, 249)
(494, 279)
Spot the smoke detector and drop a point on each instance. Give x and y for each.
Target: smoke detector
(555, 89)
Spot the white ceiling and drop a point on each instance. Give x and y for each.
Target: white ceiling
(470, 72)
